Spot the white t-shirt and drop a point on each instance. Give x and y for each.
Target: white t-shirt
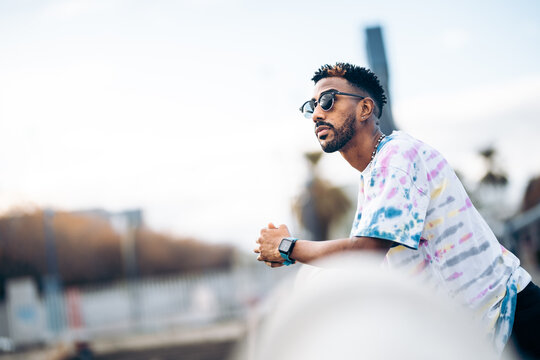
(410, 195)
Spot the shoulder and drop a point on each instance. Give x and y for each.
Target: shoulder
(401, 151)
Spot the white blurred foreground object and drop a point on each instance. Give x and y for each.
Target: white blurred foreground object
(351, 308)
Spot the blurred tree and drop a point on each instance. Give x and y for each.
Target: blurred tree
(320, 204)
(532, 194)
(165, 254)
(89, 250)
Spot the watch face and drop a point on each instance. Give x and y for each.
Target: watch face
(285, 245)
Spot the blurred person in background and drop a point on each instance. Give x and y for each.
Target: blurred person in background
(413, 211)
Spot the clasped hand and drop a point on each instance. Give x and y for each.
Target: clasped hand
(268, 242)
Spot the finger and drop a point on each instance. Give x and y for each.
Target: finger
(257, 250)
(273, 263)
(272, 226)
(259, 241)
(259, 258)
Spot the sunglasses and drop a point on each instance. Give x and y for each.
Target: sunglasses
(326, 101)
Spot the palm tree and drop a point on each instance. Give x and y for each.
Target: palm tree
(320, 204)
(491, 192)
(493, 176)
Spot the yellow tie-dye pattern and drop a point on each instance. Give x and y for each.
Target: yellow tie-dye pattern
(453, 213)
(418, 268)
(447, 247)
(493, 323)
(437, 192)
(435, 223)
(396, 250)
(484, 309)
(489, 304)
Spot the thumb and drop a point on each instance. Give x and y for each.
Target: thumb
(272, 226)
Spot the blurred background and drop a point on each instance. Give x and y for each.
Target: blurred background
(143, 145)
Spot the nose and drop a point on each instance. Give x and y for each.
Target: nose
(318, 114)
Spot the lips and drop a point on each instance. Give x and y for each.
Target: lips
(321, 129)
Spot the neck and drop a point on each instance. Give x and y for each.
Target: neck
(359, 149)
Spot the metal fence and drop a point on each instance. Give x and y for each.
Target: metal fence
(145, 305)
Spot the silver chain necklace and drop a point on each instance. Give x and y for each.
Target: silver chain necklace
(376, 146)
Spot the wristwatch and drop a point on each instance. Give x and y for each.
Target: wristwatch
(285, 249)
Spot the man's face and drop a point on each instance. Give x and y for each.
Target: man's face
(334, 128)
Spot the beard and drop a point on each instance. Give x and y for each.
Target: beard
(342, 135)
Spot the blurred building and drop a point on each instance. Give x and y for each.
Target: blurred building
(522, 232)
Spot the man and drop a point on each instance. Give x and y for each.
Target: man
(413, 209)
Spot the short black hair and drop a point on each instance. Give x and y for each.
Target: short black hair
(362, 78)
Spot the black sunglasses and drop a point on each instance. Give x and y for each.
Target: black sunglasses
(326, 101)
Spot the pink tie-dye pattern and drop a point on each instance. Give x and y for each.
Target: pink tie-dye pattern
(392, 193)
(411, 153)
(468, 204)
(403, 180)
(433, 155)
(440, 253)
(465, 238)
(433, 174)
(385, 161)
(479, 296)
(454, 276)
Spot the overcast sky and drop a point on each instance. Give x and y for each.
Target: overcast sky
(188, 109)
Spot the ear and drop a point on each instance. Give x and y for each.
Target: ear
(365, 109)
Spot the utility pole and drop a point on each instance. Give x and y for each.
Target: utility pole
(52, 284)
(129, 222)
(379, 65)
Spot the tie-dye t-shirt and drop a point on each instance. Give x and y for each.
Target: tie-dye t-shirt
(410, 195)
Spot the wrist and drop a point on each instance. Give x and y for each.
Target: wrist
(285, 249)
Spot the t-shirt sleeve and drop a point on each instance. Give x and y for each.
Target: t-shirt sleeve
(393, 208)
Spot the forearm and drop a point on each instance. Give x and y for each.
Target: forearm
(306, 251)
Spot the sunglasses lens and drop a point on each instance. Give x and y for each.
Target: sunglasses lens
(308, 108)
(326, 101)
